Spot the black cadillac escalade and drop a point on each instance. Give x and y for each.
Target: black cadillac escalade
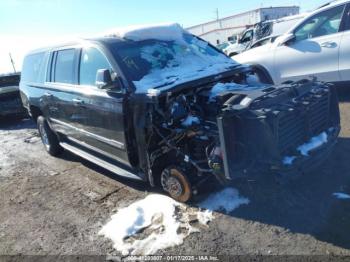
(163, 106)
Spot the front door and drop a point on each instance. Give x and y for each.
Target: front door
(314, 51)
(104, 114)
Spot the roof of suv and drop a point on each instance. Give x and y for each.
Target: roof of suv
(106, 40)
(166, 32)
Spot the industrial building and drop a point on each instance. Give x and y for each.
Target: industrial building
(224, 29)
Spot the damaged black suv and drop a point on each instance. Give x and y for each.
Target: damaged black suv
(160, 105)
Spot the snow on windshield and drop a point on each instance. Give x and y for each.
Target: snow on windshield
(185, 65)
(155, 64)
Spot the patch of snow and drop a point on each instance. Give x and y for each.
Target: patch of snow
(153, 92)
(159, 222)
(341, 196)
(288, 160)
(227, 200)
(226, 87)
(190, 120)
(253, 80)
(163, 32)
(246, 101)
(314, 143)
(151, 224)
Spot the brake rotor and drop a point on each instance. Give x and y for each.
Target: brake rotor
(176, 183)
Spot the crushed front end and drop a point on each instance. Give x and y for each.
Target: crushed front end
(229, 129)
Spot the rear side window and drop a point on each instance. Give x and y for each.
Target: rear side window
(91, 61)
(34, 68)
(65, 66)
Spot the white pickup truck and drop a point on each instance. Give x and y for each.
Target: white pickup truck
(262, 30)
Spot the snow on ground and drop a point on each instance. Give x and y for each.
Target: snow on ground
(154, 223)
(341, 195)
(163, 32)
(159, 222)
(314, 143)
(226, 200)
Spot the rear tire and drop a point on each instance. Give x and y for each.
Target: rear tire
(48, 137)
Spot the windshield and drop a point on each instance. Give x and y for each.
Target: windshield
(160, 64)
(222, 46)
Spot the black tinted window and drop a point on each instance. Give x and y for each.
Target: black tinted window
(34, 68)
(64, 69)
(91, 61)
(347, 22)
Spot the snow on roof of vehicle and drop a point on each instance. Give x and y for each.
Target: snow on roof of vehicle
(163, 32)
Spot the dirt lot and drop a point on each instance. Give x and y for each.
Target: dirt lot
(58, 205)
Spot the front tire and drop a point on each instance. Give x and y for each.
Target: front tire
(176, 184)
(48, 137)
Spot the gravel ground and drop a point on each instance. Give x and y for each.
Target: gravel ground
(57, 206)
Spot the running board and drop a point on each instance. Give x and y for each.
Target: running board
(113, 168)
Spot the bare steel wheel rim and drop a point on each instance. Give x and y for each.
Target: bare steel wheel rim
(44, 136)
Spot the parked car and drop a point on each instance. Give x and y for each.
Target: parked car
(264, 41)
(161, 105)
(270, 28)
(10, 100)
(318, 46)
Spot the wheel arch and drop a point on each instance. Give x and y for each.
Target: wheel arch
(261, 69)
(35, 112)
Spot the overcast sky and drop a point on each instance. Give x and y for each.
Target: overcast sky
(28, 24)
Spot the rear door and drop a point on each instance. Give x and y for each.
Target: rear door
(344, 52)
(103, 109)
(315, 51)
(67, 115)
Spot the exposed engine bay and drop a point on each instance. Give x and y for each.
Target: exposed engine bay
(231, 129)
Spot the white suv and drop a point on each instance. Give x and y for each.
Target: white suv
(318, 46)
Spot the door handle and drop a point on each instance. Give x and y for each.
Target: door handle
(329, 44)
(78, 102)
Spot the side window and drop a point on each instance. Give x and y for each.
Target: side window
(247, 37)
(91, 61)
(34, 68)
(65, 66)
(324, 23)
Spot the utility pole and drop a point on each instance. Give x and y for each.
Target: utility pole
(217, 14)
(13, 63)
